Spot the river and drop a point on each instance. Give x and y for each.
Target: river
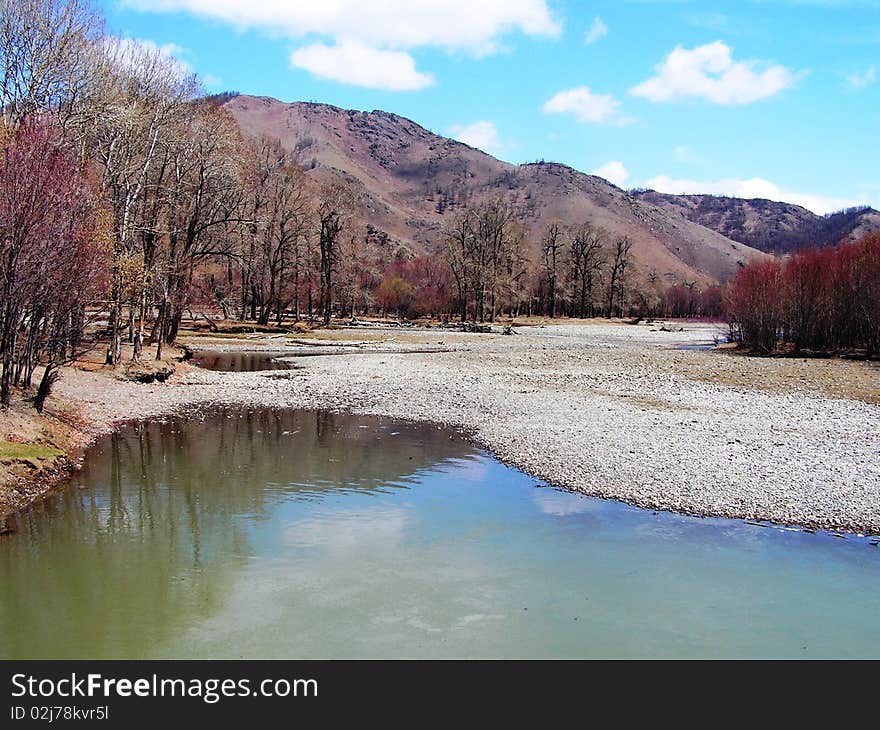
(259, 534)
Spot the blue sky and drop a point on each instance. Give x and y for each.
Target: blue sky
(760, 98)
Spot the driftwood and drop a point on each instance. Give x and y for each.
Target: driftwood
(472, 327)
(214, 327)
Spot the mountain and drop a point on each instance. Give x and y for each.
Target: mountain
(765, 224)
(410, 183)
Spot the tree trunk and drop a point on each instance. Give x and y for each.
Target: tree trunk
(50, 375)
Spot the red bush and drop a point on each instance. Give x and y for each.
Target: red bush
(754, 303)
(53, 252)
(818, 299)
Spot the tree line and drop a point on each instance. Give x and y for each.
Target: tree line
(130, 199)
(818, 299)
(125, 186)
(121, 183)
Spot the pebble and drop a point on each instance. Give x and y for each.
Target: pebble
(597, 408)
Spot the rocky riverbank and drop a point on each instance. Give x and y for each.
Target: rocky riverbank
(612, 410)
(39, 450)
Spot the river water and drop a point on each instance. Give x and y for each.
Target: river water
(266, 534)
(242, 361)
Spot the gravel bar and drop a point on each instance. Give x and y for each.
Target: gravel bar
(614, 411)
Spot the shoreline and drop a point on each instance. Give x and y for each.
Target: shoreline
(533, 402)
(194, 408)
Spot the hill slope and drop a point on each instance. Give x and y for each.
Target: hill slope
(766, 224)
(410, 183)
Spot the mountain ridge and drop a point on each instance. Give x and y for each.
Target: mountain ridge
(768, 225)
(409, 182)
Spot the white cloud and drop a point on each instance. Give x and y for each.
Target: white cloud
(614, 172)
(131, 51)
(587, 107)
(377, 34)
(754, 187)
(709, 72)
(347, 530)
(563, 504)
(597, 30)
(860, 81)
(482, 135)
(452, 24)
(212, 82)
(354, 63)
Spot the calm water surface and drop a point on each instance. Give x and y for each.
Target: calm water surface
(302, 534)
(242, 361)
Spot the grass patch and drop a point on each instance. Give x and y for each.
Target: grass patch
(22, 452)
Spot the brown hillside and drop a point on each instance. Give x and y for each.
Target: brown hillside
(767, 225)
(411, 182)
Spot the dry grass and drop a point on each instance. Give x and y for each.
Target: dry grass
(830, 378)
(36, 449)
(31, 450)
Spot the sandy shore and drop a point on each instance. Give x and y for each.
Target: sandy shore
(614, 411)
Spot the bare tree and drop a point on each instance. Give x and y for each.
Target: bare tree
(52, 255)
(551, 252)
(205, 195)
(47, 52)
(280, 226)
(485, 252)
(132, 117)
(586, 261)
(460, 245)
(512, 280)
(617, 276)
(360, 271)
(334, 210)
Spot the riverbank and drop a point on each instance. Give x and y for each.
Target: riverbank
(612, 410)
(38, 451)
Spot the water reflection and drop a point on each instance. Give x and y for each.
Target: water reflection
(298, 534)
(242, 362)
(157, 523)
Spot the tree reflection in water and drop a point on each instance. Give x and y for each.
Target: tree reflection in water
(148, 538)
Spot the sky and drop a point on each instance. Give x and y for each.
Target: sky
(777, 99)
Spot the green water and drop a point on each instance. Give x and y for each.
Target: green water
(302, 534)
